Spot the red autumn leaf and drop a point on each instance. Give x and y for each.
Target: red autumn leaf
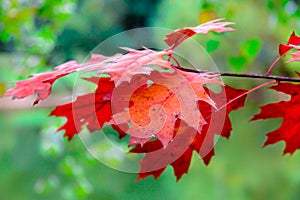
(177, 152)
(178, 36)
(290, 112)
(120, 67)
(93, 109)
(215, 118)
(157, 106)
(293, 40)
(41, 83)
(155, 160)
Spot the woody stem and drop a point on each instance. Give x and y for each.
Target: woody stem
(256, 76)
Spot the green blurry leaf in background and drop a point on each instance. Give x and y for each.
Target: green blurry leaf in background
(238, 63)
(248, 52)
(30, 29)
(250, 48)
(212, 45)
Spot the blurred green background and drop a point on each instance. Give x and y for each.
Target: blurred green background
(37, 163)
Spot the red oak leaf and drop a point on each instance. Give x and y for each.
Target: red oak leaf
(218, 121)
(179, 155)
(123, 67)
(293, 40)
(290, 112)
(120, 67)
(93, 109)
(156, 107)
(41, 83)
(178, 36)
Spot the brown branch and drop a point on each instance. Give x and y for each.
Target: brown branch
(257, 76)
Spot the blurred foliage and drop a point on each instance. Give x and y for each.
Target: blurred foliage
(37, 163)
(30, 28)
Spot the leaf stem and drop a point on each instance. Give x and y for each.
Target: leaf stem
(176, 61)
(248, 91)
(273, 64)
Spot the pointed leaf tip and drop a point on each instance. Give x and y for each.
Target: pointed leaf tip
(178, 36)
(293, 40)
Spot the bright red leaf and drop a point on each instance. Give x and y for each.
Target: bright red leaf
(218, 121)
(156, 107)
(186, 140)
(92, 109)
(178, 153)
(289, 111)
(293, 40)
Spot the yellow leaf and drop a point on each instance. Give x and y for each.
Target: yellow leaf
(2, 88)
(206, 15)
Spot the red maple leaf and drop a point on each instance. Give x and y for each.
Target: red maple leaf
(156, 107)
(290, 112)
(179, 153)
(218, 121)
(92, 109)
(178, 36)
(120, 67)
(41, 83)
(293, 40)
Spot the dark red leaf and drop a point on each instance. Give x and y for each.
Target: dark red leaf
(293, 40)
(218, 122)
(179, 155)
(92, 109)
(290, 112)
(156, 107)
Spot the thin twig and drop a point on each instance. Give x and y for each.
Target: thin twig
(260, 76)
(257, 76)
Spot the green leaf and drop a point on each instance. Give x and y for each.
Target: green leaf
(238, 63)
(251, 48)
(4, 35)
(212, 45)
